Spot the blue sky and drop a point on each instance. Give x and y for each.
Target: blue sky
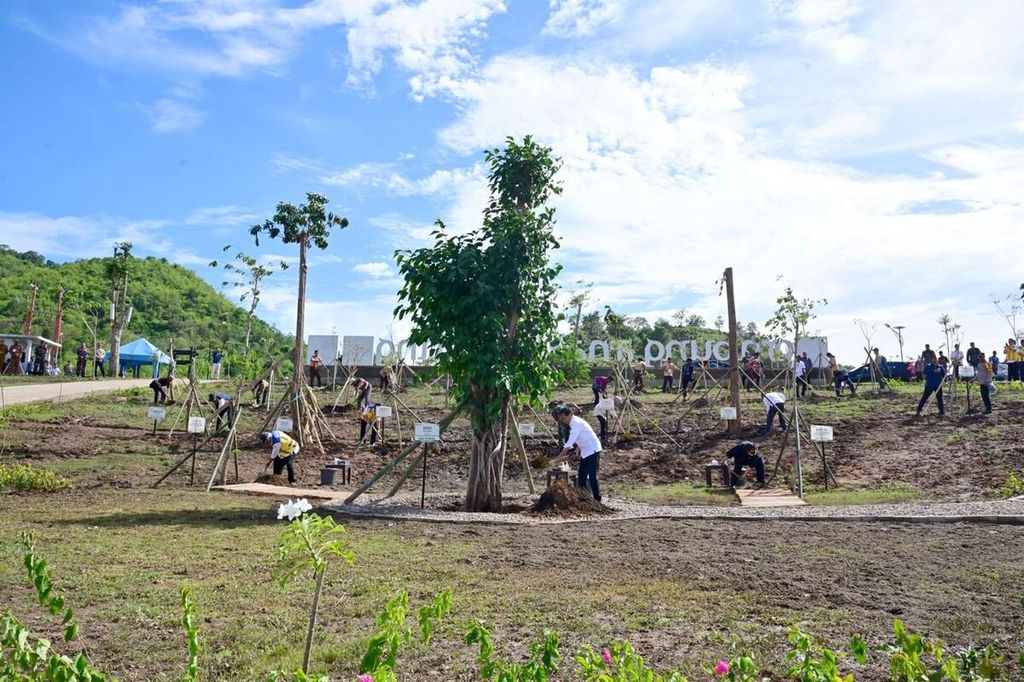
(869, 153)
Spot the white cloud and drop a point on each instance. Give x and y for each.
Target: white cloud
(375, 269)
(169, 115)
(579, 18)
(221, 215)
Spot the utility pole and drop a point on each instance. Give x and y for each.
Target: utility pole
(26, 326)
(734, 353)
(897, 329)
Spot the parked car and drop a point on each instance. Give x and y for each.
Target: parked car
(890, 370)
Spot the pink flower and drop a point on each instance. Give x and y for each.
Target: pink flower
(722, 668)
(364, 678)
(606, 656)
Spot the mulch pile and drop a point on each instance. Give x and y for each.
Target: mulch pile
(562, 499)
(271, 479)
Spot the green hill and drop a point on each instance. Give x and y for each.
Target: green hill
(170, 303)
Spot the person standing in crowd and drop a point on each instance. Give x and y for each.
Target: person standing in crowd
(800, 372)
(315, 363)
(994, 361)
(944, 361)
(639, 370)
(14, 362)
(934, 374)
(686, 376)
(39, 359)
(600, 388)
(744, 455)
(363, 390)
(745, 365)
(1013, 358)
(82, 353)
(99, 357)
(879, 361)
(3, 356)
(928, 355)
(919, 368)
(215, 359)
(983, 375)
(774, 404)
(956, 358)
(668, 370)
(283, 450)
(583, 438)
(974, 355)
(831, 367)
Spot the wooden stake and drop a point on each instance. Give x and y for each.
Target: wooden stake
(734, 352)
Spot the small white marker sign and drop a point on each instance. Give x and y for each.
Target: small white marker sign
(196, 424)
(156, 413)
(383, 411)
(283, 424)
(821, 434)
(526, 429)
(967, 372)
(728, 413)
(425, 432)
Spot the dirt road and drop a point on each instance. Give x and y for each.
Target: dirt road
(58, 391)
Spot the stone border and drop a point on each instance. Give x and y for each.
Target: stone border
(1007, 512)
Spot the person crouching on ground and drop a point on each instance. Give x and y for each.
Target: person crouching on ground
(283, 449)
(843, 379)
(775, 404)
(363, 389)
(221, 409)
(743, 455)
(163, 389)
(259, 392)
(582, 437)
(934, 373)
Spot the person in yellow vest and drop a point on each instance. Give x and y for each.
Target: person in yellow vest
(1013, 358)
(283, 449)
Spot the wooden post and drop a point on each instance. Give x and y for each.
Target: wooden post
(300, 313)
(423, 489)
(734, 353)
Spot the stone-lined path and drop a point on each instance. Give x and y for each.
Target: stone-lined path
(406, 507)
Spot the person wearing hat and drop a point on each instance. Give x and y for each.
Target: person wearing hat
(744, 455)
(282, 451)
(583, 438)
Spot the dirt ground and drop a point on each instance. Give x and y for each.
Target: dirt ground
(684, 592)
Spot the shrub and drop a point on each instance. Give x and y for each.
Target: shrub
(23, 478)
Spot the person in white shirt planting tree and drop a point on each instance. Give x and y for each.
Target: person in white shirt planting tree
(581, 436)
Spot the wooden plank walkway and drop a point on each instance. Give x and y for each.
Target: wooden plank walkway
(283, 491)
(768, 497)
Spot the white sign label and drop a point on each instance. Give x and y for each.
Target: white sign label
(967, 372)
(526, 429)
(427, 433)
(283, 424)
(156, 413)
(383, 411)
(196, 424)
(728, 413)
(821, 434)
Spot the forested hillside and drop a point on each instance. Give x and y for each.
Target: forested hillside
(171, 303)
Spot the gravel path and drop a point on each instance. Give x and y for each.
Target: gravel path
(1008, 512)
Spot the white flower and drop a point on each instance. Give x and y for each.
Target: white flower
(293, 510)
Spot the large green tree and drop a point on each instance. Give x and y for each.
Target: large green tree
(307, 225)
(486, 298)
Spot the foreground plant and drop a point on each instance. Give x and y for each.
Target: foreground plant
(24, 478)
(307, 543)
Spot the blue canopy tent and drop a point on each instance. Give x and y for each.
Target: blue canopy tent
(141, 352)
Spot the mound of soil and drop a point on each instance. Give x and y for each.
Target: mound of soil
(271, 479)
(562, 499)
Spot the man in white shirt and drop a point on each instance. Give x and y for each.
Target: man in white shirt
(775, 404)
(800, 370)
(956, 358)
(581, 436)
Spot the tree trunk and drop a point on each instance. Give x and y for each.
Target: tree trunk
(115, 347)
(487, 465)
(300, 313)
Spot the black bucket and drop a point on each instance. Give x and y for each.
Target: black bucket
(327, 475)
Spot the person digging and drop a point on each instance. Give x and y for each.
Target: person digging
(163, 389)
(259, 392)
(283, 449)
(583, 438)
(222, 404)
(744, 455)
